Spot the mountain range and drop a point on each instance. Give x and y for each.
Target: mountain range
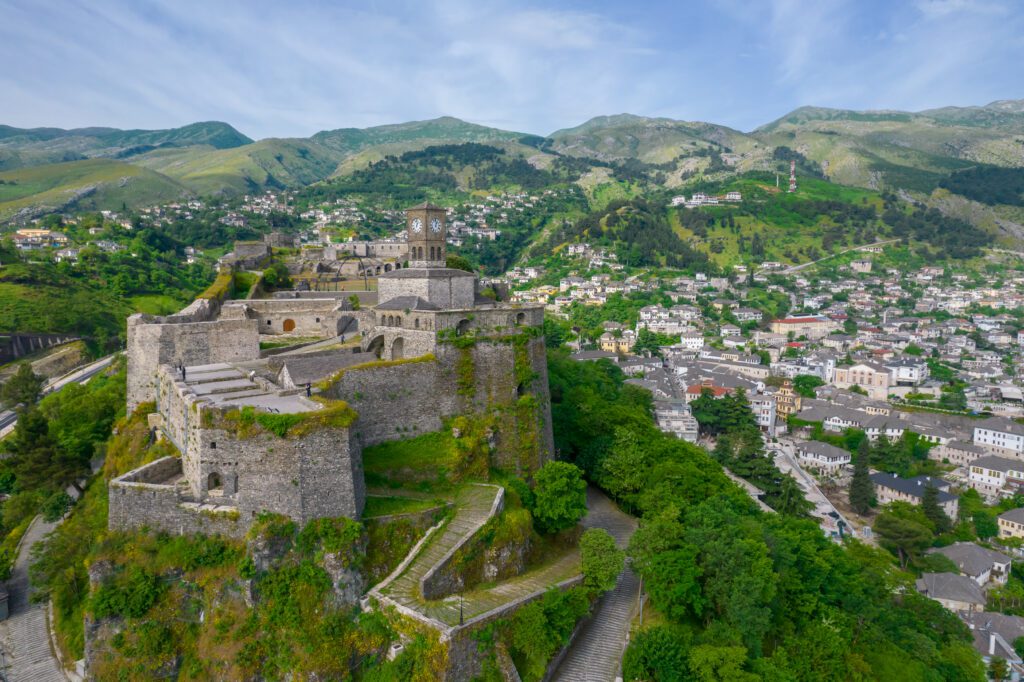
(46, 169)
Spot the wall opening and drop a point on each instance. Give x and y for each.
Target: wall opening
(397, 349)
(462, 328)
(289, 325)
(214, 483)
(520, 319)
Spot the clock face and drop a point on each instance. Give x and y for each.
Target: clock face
(435, 225)
(417, 225)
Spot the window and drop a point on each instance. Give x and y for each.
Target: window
(213, 445)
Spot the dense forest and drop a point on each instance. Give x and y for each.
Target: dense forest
(988, 184)
(639, 232)
(739, 594)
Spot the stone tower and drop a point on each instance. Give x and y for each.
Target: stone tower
(425, 226)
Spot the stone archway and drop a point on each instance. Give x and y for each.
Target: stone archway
(214, 484)
(346, 324)
(462, 327)
(376, 346)
(288, 326)
(398, 348)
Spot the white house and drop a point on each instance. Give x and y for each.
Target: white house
(1000, 436)
(992, 475)
(822, 456)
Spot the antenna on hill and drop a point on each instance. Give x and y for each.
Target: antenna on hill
(792, 176)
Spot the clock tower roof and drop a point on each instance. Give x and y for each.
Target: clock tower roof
(425, 205)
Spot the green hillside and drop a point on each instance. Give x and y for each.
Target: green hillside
(411, 135)
(83, 185)
(651, 140)
(896, 149)
(271, 163)
(33, 146)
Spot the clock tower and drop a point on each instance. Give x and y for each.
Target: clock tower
(425, 227)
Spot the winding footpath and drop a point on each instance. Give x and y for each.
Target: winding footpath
(25, 635)
(596, 653)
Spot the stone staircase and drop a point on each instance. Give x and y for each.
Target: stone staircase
(25, 636)
(474, 505)
(595, 655)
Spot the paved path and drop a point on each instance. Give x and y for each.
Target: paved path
(596, 653)
(24, 635)
(797, 268)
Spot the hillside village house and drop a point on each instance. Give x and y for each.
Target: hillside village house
(977, 563)
(955, 592)
(872, 377)
(618, 344)
(1000, 436)
(996, 476)
(822, 456)
(787, 400)
(1011, 523)
(956, 452)
(812, 326)
(892, 488)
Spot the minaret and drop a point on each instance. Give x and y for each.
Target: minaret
(425, 230)
(792, 176)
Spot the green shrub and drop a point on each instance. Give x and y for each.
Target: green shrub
(129, 594)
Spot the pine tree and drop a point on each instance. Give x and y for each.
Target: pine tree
(932, 510)
(862, 490)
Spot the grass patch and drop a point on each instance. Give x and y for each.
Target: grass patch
(387, 506)
(155, 304)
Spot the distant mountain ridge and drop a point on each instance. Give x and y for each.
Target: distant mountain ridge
(874, 149)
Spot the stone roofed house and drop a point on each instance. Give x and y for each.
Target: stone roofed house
(977, 563)
(429, 349)
(994, 636)
(870, 376)
(1000, 436)
(811, 326)
(955, 592)
(1011, 523)
(892, 488)
(823, 456)
(995, 476)
(957, 452)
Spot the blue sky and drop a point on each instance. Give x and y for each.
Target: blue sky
(293, 68)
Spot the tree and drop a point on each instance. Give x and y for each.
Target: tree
(647, 341)
(602, 561)
(904, 531)
(804, 384)
(932, 511)
(862, 490)
(560, 497)
(456, 262)
(23, 388)
(277, 276)
(998, 669)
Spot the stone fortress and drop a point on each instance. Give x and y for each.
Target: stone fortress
(283, 431)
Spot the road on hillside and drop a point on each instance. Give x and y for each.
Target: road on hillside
(797, 268)
(79, 376)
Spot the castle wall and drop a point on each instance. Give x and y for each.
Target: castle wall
(308, 317)
(317, 475)
(414, 397)
(190, 338)
(444, 288)
(143, 498)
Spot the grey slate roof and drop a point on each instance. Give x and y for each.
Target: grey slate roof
(994, 633)
(998, 463)
(1014, 515)
(406, 303)
(950, 586)
(306, 370)
(971, 559)
(824, 449)
(913, 486)
(1001, 424)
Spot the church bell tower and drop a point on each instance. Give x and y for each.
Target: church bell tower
(425, 227)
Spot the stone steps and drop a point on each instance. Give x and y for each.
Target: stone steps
(24, 635)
